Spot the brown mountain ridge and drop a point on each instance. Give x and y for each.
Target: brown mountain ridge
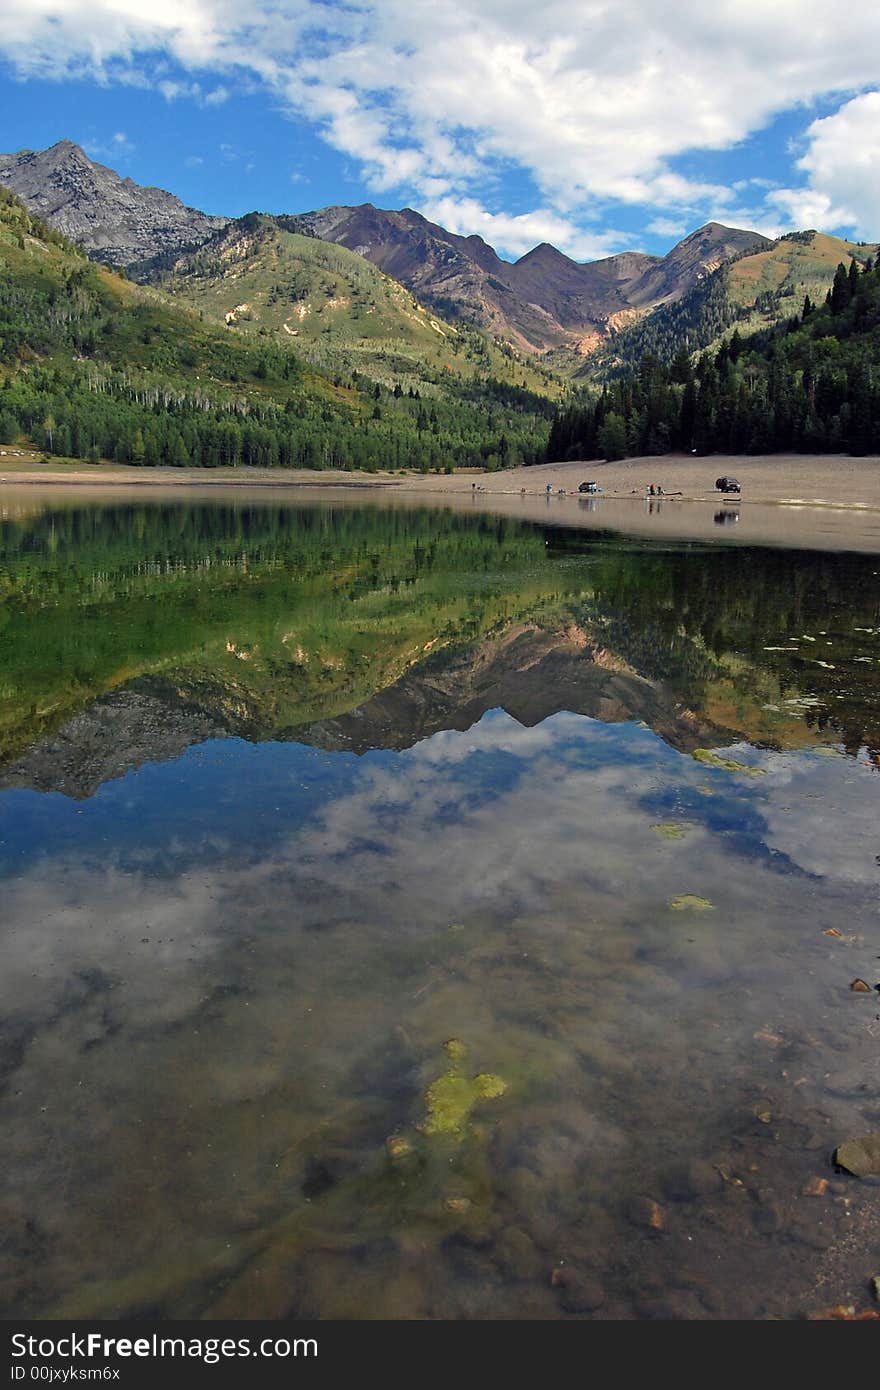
(544, 299)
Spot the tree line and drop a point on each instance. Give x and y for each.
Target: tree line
(810, 385)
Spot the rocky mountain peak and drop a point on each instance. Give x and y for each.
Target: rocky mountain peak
(543, 252)
(114, 219)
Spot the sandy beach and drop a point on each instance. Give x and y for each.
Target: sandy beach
(830, 480)
(815, 501)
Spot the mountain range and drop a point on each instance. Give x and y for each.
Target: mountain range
(552, 312)
(545, 300)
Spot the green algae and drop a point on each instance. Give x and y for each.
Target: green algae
(712, 759)
(690, 900)
(450, 1099)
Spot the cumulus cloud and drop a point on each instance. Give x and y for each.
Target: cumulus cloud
(842, 164)
(434, 99)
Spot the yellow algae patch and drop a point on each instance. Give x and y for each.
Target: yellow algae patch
(711, 759)
(671, 829)
(690, 900)
(450, 1099)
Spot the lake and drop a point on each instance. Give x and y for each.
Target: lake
(415, 914)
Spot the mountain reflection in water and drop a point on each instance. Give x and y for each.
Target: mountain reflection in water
(290, 797)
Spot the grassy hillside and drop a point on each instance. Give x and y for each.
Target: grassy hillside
(94, 366)
(772, 285)
(332, 308)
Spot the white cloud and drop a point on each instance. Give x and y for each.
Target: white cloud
(592, 101)
(518, 233)
(173, 91)
(667, 226)
(116, 148)
(842, 164)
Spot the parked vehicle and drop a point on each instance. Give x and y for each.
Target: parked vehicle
(727, 484)
(589, 487)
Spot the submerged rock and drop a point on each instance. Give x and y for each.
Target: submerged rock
(861, 1157)
(645, 1212)
(692, 1180)
(816, 1187)
(516, 1255)
(578, 1294)
(398, 1147)
(459, 1205)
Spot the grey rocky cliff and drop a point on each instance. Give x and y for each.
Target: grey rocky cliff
(112, 218)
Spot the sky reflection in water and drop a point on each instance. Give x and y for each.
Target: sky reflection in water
(229, 977)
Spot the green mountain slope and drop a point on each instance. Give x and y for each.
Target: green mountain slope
(756, 290)
(798, 263)
(94, 366)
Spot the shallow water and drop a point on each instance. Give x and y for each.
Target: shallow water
(293, 797)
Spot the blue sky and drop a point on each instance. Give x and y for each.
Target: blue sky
(596, 126)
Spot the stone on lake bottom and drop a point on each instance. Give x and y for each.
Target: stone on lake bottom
(578, 1294)
(645, 1212)
(816, 1187)
(695, 1179)
(685, 901)
(861, 1157)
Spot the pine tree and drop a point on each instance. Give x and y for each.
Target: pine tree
(612, 437)
(841, 292)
